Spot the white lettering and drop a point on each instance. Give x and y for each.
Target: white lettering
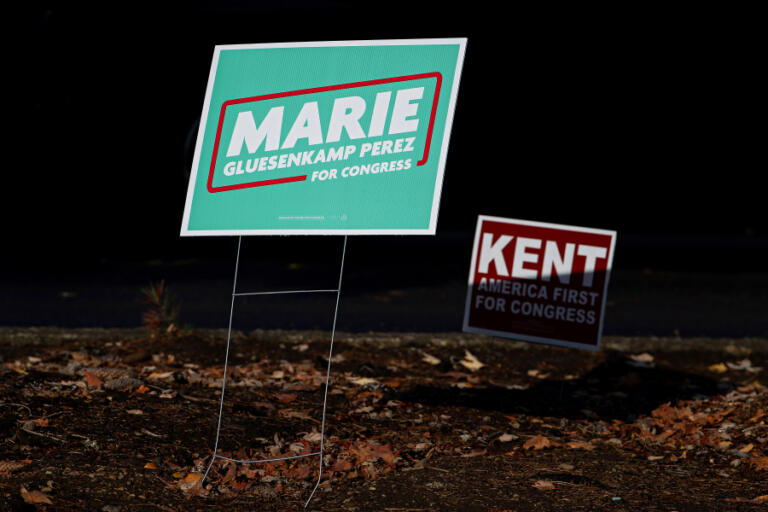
(561, 264)
(404, 109)
(379, 116)
(492, 252)
(591, 253)
(306, 126)
(522, 257)
(246, 131)
(346, 115)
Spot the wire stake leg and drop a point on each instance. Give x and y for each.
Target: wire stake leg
(226, 361)
(328, 375)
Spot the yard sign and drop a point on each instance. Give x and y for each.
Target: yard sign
(539, 282)
(343, 138)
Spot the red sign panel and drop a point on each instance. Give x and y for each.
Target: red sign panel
(539, 282)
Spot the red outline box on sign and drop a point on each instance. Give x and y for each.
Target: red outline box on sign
(351, 85)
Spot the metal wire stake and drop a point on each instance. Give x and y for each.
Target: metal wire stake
(226, 360)
(328, 374)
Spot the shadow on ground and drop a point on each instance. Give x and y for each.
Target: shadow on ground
(619, 388)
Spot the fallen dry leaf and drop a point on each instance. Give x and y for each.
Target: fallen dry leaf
(538, 443)
(760, 463)
(297, 447)
(190, 481)
(744, 364)
(342, 465)
(34, 497)
(290, 413)
(430, 359)
(367, 451)
(301, 472)
(384, 452)
(369, 471)
(6, 466)
(761, 499)
(150, 465)
(645, 357)
(142, 389)
(92, 380)
(717, 368)
(230, 475)
(361, 381)
(160, 375)
(544, 485)
(313, 437)
(580, 445)
(135, 412)
(470, 362)
(505, 438)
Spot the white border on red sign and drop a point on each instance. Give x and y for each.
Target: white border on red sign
(461, 41)
(525, 337)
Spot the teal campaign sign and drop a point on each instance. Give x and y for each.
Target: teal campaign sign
(343, 137)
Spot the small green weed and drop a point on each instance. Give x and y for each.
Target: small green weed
(163, 312)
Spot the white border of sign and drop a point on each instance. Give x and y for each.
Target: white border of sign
(524, 337)
(461, 41)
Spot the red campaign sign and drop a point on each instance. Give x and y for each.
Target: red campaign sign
(539, 282)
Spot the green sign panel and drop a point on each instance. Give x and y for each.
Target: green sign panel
(324, 138)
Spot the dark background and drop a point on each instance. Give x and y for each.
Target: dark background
(636, 119)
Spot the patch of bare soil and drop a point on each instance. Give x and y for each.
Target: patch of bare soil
(124, 424)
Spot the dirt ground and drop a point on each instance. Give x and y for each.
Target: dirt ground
(113, 421)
